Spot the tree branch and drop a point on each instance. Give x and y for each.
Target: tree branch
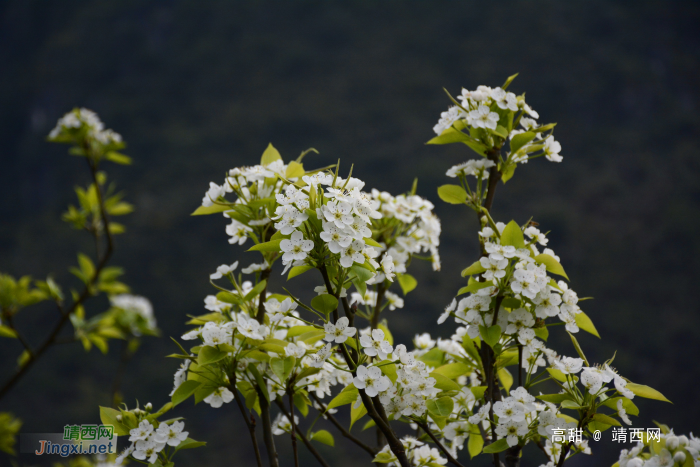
(304, 439)
(427, 430)
(341, 428)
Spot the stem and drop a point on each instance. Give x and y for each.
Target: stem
(381, 289)
(520, 365)
(342, 429)
(124, 357)
(426, 428)
(304, 439)
(264, 404)
(294, 429)
(87, 292)
(248, 419)
(373, 410)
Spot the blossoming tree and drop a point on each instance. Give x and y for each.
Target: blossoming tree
(276, 356)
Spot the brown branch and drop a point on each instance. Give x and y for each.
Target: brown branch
(264, 403)
(84, 295)
(342, 429)
(247, 418)
(426, 428)
(304, 439)
(294, 429)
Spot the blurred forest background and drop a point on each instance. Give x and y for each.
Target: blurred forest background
(197, 88)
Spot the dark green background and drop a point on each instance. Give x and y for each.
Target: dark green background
(197, 88)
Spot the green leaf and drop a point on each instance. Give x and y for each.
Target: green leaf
(521, 140)
(499, 446)
(475, 268)
(602, 418)
(453, 194)
(508, 81)
(299, 330)
(6, 331)
(475, 445)
(441, 407)
(454, 370)
(552, 264)
(295, 170)
(512, 235)
(554, 398)
(646, 392)
(282, 367)
(578, 348)
(384, 458)
(434, 357)
(569, 404)
(490, 335)
(371, 242)
(189, 443)
(255, 291)
(506, 379)
(363, 274)
(585, 323)
(627, 404)
(118, 158)
(356, 414)
(184, 391)
(325, 303)
(556, 374)
(449, 136)
(272, 245)
(270, 155)
(542, 333)
(508, 172)
(478, 391)
(323, 436)
(474, 286)
(208, 354)
(108, 416)
(444, 383)
(298, 271)
(206, 210)
(369, 424)
(346, 396)
(86, 265)
(262, 386)
(501, 131)
(407, 282)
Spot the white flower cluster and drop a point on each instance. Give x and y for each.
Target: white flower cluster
(418, 453)
(83, 120)
(138, 305)
(480, 109)
(417, 231)
(675, 451)
(147, 442)
(516, 271)
(476, 167)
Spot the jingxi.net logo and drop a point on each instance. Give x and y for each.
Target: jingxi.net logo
(75, 440)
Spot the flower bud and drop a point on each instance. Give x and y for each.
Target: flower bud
(682, 441)
(678, 457)
(671, 443)
(149, 407)
(119, 417)
(137, 412)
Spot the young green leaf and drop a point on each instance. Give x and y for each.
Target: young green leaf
(646, 392)
(551, 263)
(325, 303)
(407, 282)
(185, 390)
(513, 235)
(490, 335)
(475, 268)
(499, 446)
(270, 155)
(453, 194)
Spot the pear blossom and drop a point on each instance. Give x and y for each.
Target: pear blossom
(295, 248)
(376, 345)
(171, 434)
(371, 380)
(338, 332)
(219, 397)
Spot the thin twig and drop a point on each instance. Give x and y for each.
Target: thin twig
(87, 292)
(426, 428)
(249, 420)
(342, 429)
(304, 439)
